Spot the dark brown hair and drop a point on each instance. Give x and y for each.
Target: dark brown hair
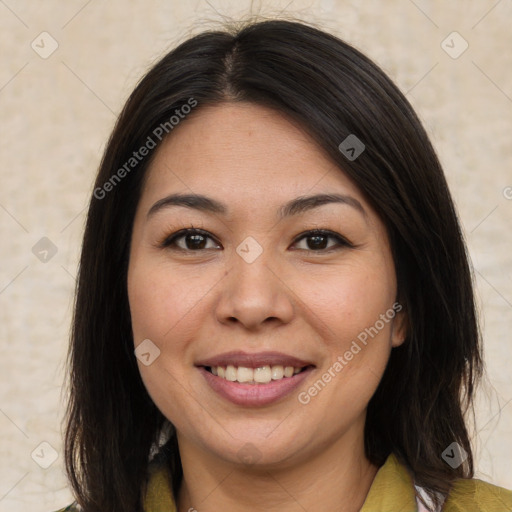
(332, 91)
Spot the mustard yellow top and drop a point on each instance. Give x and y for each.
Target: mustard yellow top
(392, 490)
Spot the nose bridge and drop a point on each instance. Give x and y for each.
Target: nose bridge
(252, 292)
(252, 279)
(250, 267)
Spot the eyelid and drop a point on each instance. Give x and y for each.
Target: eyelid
(341, 240)
(169, 239)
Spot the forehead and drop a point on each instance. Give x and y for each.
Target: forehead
(250, 154)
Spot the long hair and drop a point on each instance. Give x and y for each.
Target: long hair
(332, 91)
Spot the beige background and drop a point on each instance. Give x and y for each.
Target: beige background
(56, 114)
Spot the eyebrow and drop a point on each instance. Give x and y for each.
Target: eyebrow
(294, 207)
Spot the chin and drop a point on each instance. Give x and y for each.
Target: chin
(259, 450)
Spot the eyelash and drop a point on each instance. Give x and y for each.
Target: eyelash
(170, 241)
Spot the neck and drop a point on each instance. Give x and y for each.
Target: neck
(335, 479)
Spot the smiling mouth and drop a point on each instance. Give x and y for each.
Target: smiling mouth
(260, 375)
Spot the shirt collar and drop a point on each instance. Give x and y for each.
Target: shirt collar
(392, 490)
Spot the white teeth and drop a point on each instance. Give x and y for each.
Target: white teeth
(261, 375)
(244, 374)
(277, 372)
(288, 371)
(231, 373)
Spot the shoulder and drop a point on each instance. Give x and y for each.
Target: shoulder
(473, 495)
(158, 493)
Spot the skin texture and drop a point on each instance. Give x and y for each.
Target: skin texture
(294, 298)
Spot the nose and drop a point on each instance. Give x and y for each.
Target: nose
(253, 295)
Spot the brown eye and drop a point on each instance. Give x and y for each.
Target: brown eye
(318, 241)
(189, 240)
(195, 240)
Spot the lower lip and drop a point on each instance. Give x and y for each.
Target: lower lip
(254, 394)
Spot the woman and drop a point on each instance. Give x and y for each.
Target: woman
(274, 308)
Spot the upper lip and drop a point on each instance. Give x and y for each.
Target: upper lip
(255, 360)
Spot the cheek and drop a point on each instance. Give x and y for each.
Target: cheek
(347, 307)
(162, 300)
(168, 389)
(349, 300)
(162, 308)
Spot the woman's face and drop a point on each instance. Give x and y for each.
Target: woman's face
(260, 339)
